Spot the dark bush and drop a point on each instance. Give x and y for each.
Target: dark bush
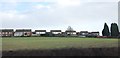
(65, 52)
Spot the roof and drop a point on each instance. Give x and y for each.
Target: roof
(23, 30)
(55, 30)
(6, 30)
(83, 31)
(94, 32)
(40, 30)
(70, 31)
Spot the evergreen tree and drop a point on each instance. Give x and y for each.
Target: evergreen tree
(114, 30)
(105, 31)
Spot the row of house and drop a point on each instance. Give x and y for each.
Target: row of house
(52, 33)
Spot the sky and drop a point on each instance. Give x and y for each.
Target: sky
(81, 15)
(119, 15)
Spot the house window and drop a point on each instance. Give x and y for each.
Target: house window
(42, 32)
(56, 32)
(10, 32)
(3, 33)
(74, 33)
(6, 32)
(97, 34)
(25, 33)
(83, 33)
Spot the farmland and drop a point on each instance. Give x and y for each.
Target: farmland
(34, 43)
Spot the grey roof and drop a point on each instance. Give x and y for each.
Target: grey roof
(6, 30)
(40, 30)
(83, 31)
(70, 31)
(23, 30)
(94, 32)
(55, 30)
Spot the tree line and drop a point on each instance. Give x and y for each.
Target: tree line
(113, 32)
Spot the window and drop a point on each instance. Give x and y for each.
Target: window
(83, 33)
(10, 32)
(3, 33)
(6, 32)
(25, 33)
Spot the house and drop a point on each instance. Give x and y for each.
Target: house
(6, 32)
(63, 34)
(77, 33)
(71, 33)
(34, 34)
(23, 32)
(88, 34)
(48, 34)
(83, 33)
(93, 34)
(40, 32)
(56, 32)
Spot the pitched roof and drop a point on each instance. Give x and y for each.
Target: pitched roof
(40, 30)
(70, 31)
(94, 32)
(6, 30)
(83, 31)
(23, 30)
(55, 30)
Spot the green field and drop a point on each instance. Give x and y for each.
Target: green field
(21, 43)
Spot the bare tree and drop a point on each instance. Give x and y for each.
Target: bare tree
(70, 30)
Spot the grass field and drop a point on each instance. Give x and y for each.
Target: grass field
(22, 43)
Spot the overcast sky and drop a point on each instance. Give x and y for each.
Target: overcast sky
(81, 15)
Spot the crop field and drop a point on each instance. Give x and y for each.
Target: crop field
(23, 43)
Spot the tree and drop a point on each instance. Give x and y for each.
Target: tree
(70, 30)
(114, 30)
(105, 31)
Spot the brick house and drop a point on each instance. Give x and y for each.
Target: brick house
(6, 32)
(23, 32)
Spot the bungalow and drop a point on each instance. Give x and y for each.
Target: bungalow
(49, 34)
(23, 32)
(64, 34)
(71, 33)
(6, 32)
(40, 32)
(83, 33)
(34, 34)
(93, 34)
(56, 32)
